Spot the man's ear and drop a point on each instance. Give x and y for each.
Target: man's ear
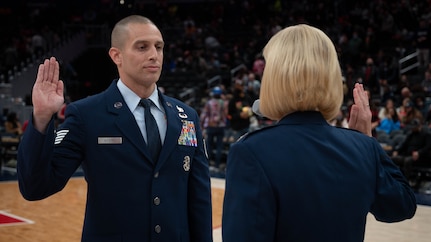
(115, 55)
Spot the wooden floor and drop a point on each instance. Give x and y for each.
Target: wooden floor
(59, 217)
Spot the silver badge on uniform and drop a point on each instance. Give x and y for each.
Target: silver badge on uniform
(181, 112)
(118, 105)
(180, 109)
(186, 163)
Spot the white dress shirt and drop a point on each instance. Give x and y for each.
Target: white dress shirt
(132, 100)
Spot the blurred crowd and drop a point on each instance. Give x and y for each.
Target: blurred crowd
(208, 37)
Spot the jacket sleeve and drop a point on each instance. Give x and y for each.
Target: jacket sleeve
(395, 200)
(39, 174)
(200, 206)
(247, 217)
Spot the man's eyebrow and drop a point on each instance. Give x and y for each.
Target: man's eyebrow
(160, 42)
(149, 42)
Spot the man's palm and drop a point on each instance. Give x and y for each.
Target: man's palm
(47, 93)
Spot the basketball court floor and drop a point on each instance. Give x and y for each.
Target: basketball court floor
(59, 218)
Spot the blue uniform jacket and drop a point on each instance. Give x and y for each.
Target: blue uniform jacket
(130, 197)
(304, 180)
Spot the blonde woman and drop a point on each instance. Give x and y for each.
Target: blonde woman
(303, 179)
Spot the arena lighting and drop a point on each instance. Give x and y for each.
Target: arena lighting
(122, 2)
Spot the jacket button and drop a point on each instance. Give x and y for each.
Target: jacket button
(156, 201)
(158, 229)
(156, 175)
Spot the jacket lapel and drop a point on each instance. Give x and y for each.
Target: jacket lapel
(173, 130)
(125, 121)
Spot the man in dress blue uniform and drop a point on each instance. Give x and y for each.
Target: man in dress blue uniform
(131, 196)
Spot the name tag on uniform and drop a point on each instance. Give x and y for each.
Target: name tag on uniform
(109, 140)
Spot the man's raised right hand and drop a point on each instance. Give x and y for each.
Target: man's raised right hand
(47, 95)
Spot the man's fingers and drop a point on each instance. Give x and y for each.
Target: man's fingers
(53, 70)
(60, 88)
(56, 69)
(49, 71)
(40, 74)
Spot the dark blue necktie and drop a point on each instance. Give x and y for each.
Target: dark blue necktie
(154, 143)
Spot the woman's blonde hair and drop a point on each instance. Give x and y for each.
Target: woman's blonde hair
(302, 73)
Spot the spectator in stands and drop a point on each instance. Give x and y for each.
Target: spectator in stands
(350, 78)
(239, 111)
(384, 109)
(213, 63)
(387, 25)
(370, 76)
(411, 114)
(402, 109)
(354, 48)
(12, 124)
(423, 42)
(253, 86)
(214, 121)
(406, 92)
(388, 117)
(190, 29)
(426, 83)
(211, 42)
(294, 177)
(38, 44)
(387, 72)
(415, 150)
(403, 82)
(11, 56)
(370, 44)
(258, 65)
(385, 90)
(420, 104)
